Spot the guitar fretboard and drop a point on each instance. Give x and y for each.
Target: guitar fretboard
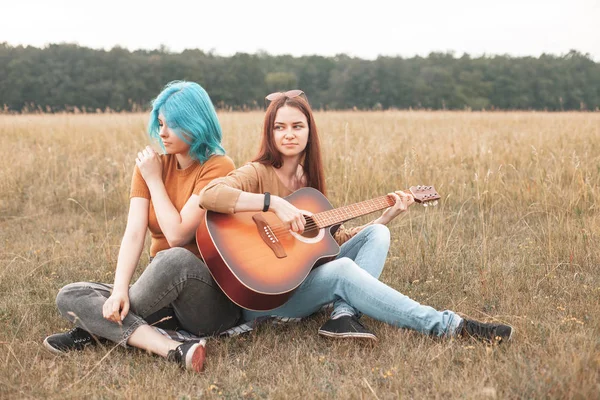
(342, 214)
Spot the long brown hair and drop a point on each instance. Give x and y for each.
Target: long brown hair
(311, 161)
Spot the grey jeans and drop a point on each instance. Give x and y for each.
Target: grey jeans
(176, 283)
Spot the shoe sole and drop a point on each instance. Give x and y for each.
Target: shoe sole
(52, 349)
(195, 357)
(508, 339)
(512, 331)
(348, 335)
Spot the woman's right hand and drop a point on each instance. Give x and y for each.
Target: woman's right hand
(116, 307)
(291, 217)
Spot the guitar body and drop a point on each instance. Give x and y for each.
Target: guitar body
(251, 270)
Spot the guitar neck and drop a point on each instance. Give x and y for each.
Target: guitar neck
(342, 214)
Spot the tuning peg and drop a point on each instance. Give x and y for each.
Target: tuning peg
(435, 203)
(425, 204)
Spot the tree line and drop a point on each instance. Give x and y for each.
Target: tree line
(67, 77)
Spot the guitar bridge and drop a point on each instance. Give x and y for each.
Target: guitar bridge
(268, 236)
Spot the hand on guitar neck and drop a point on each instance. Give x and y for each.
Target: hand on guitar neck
(403, 201)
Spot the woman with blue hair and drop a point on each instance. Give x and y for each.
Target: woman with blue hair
(164, 200)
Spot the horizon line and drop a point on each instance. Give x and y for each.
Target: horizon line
(163, 48)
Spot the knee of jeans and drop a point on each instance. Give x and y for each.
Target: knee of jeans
(175, 253)
(346, 269)
(379, 233)
(66, 299)
(347, 274)
(179, 261)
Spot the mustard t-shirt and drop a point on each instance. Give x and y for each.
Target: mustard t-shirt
(180, 184)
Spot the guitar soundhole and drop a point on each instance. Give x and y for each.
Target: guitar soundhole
(311, 229)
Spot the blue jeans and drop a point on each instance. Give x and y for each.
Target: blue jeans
(351, 283)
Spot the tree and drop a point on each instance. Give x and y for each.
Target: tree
(61, 77)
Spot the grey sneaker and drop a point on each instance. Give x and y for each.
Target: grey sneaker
(75, 339)
(346, 327)
(189, 355)
(490, 333)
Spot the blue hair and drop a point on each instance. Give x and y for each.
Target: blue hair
(190, 114)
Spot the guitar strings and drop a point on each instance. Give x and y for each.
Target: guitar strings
(282, 229)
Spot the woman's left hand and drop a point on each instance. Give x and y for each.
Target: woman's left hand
(148, 161)
(403, 201)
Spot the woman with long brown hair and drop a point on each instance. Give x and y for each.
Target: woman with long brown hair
(289, 159)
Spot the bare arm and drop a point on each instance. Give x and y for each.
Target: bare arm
(129, 256)
(177, 227)
(132, 243)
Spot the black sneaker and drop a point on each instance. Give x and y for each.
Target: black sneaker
(189, 355)
(347, 326)
(75, 339)
(491, 333)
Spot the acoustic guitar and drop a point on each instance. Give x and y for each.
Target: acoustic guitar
(258, 263)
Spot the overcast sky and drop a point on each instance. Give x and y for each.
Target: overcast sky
(366, 28)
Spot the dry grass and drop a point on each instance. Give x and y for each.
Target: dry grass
(515, 239)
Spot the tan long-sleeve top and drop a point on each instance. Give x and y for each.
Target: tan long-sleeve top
(221, 195)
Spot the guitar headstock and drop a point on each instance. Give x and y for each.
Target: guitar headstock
(426, 195)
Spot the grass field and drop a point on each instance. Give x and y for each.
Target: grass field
(514, 239)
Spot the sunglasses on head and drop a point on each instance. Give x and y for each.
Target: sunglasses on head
(290, 94)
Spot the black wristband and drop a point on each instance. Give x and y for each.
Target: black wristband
(267, 201)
